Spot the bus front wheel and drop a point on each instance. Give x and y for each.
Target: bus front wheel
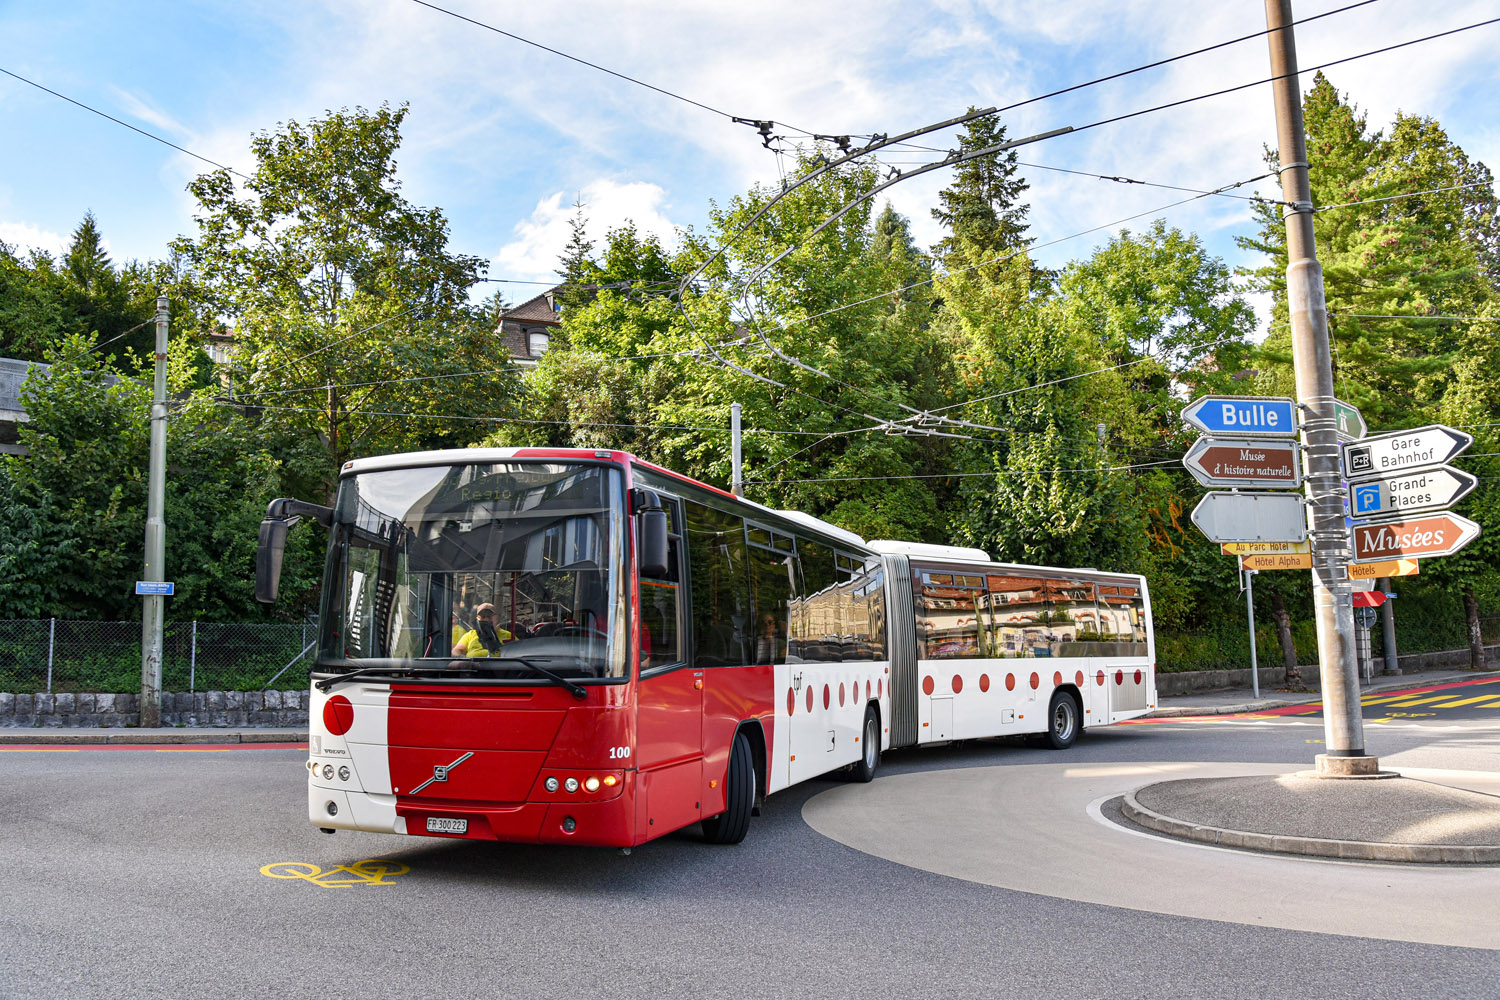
(1062, 721)
(731, 825)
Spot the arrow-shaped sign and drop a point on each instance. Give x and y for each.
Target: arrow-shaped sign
(1248, 416)
(1244, 462)
(1251, 517)
(1403, 451)
(1429, 489)
(1413, 537)
(1349, 423)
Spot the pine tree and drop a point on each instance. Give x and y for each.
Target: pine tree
(578, 267)
(981, 208)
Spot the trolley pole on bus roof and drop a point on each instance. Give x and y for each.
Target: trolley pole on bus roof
(156, 530)
(1343, 728)
(737, 475)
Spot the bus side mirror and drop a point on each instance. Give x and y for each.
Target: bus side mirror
(281, 514)
(651, 536)
(268, 558)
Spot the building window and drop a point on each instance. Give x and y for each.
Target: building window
(536, 343)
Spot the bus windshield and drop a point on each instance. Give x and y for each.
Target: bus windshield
(501, 570)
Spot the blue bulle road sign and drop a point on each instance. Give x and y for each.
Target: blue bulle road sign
(163, 588)
(1254, 416)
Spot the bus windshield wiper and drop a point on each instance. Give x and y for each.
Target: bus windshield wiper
(576, 690)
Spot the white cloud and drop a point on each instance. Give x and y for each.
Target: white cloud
(28, 237)
(608, 204)
(138, 107)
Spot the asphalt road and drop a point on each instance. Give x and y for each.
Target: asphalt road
(139, 873)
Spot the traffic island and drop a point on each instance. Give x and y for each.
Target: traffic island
(1393, 819)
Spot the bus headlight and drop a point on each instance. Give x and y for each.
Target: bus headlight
(571, 784)
(551, 784)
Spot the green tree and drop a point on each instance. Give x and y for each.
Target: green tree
(351, 314)
(981, 209)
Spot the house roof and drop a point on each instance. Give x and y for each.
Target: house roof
(541, 309)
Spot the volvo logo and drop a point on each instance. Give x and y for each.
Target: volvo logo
(440, 772)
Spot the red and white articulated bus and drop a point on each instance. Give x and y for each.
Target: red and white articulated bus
(577, 646)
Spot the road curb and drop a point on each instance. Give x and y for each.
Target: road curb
(1348, 850)
(51, 737)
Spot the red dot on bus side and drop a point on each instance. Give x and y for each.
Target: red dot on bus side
(927, 685)
(1079, 679)
(1010, 682)
(1057, 679)
(880, 687)
(867, 690)
(984, 682)
(1099, 678)
(1119, 677)
(1036, 682)
(841, 694)
(791, 702)
(809, 697)
(958, 684)
(1137, 676)
(827, 696)
(338, 715)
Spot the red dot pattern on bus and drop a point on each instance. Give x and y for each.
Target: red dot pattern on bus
(827, 699)
(1137, 676)
(1119, 677)
(927, 685)
(338, 715)
(1036, 682)
(809, 697)
(867, 690)
(880, 687)
(1057, 679)
(841, 694)
(1010, 682)
(984, 682)
(791, 702)
(958, 684)
(1079, 679)
(1099, 678)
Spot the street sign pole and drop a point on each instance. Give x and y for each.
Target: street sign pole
(1249, 576)
(1312, 362)
(154, 604)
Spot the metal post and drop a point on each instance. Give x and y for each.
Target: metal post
(156, 541)
(1250, 611)
(51, 645)
(193, 660)
(1343, 728)
(737, 480)
(1388, 628)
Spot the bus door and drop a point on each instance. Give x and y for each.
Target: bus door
(669, 701)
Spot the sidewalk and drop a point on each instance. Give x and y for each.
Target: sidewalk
(1227, 702)
(1236, 700)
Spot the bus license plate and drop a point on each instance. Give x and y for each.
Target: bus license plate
(445, 824)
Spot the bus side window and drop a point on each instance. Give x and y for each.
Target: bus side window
(722, 630)
(661, 601)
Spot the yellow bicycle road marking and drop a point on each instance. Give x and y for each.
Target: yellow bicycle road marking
(371, 871)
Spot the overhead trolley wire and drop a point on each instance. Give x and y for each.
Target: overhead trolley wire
(101, 114)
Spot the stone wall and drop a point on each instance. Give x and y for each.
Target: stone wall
(1271, 678)
(180, 708)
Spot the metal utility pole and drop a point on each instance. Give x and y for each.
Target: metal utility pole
(156, 534)
(1338, 666)
(1388, 627)
(737, 476)
(1250, 613)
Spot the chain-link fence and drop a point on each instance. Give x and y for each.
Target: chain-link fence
(59, 654)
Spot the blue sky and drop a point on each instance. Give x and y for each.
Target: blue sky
(504, 137)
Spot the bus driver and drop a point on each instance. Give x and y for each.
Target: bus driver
(485, 638)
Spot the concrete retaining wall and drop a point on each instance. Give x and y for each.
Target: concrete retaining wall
(113, 711)
(1189, 681)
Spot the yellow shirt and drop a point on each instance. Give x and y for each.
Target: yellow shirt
(472, 645)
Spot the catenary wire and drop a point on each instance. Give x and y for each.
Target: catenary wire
(101, 114)
(994, 473)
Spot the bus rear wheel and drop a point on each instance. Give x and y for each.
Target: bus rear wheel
(731, 825)
(869, 756)
(1062, 721)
